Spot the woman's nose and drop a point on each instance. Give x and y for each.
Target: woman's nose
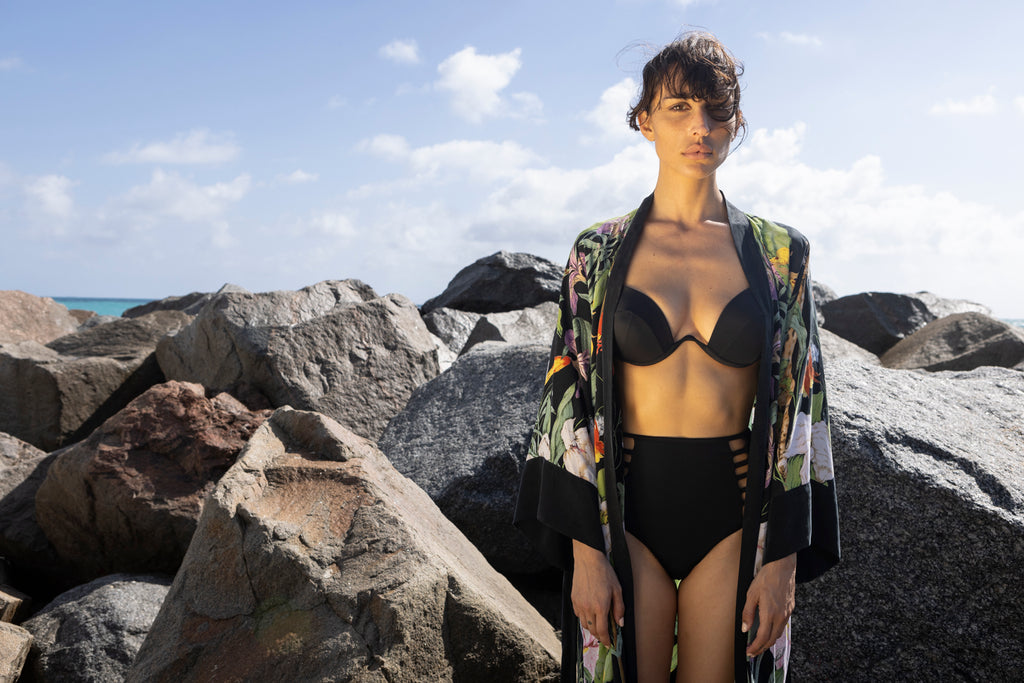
(701, 123)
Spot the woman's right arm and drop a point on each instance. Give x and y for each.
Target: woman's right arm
(596, 592)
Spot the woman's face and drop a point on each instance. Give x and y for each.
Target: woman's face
(687, 138)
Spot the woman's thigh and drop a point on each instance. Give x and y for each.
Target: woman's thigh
(654, 600)
(707, 615)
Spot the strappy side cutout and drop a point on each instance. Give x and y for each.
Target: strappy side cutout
(740, 460)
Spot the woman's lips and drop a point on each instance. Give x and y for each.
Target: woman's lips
(697, 151)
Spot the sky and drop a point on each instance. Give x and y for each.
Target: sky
(154, 149)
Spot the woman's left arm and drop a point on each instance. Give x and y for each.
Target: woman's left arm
(802, 539)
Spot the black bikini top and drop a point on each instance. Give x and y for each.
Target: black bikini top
(643, 335)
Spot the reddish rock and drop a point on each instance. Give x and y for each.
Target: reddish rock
(128, 497)
(24, 317)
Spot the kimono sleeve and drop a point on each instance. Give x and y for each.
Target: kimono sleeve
(558, 499)
(803, 514)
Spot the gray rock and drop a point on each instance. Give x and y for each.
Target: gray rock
(875, 320)
(962, 341)
(190, 303)
(834, 347)
(501, 282)
(127, 498)
(96, 320)
(23, 468)
(463, 438)
(24, 317)
(941, 307)
(335, 347)
(452, 326)
(822, 295)
(57, 394)
(93, 632)
(316, 560)
(930, 472)
(15, 643)
(527, 326)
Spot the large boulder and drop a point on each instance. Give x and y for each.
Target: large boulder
(335, 347)
(24, 317)
(930, 479)
(463, 438)
(128, 497)
(15, 643)
(962, 341)
(316, 560)
(93, 632)
(500, 282)
(527, 326)
(23, 468)
(875, 320)
(57, 394)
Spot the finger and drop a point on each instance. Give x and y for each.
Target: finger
(618, 607)
(749, 610)
(601, 630)
(762, 639)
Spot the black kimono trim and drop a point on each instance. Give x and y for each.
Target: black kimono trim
(803, 519)
(554, 507)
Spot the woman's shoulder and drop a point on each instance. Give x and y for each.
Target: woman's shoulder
(604, 232)
(780, 240)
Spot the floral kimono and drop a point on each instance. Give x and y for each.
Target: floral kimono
(572, 481)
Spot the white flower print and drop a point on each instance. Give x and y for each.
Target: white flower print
(579, 453)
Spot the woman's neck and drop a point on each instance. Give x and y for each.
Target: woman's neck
(688, 202)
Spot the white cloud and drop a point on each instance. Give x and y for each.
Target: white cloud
(800, 39)
(609, 116)
(298, 176)
(195, 147)
(979, 104)
(50, 195)
(393, 147)
(475, 81)
(169, 195)
(790, 38)
(10, 63)
(1019, 103)
(337, 102)
(477, 160)
(401, 52)
(333, 224)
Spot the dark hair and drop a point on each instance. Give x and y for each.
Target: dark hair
(695, 65)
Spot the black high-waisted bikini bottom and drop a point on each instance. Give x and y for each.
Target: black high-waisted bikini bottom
(683, 495)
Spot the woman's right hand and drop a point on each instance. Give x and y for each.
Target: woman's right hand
(596, 592)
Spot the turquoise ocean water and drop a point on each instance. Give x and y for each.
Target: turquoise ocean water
(100, 306)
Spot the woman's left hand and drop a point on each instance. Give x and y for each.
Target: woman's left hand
(772, 596)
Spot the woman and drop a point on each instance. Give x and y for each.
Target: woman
(681, 448)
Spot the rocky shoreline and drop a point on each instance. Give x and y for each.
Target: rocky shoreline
(318, 485)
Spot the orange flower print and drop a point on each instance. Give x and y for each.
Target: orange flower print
(557, 364)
